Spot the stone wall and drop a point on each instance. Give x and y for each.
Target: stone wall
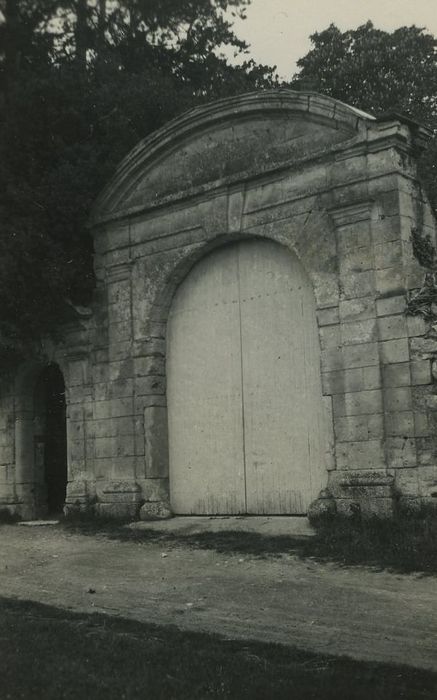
(327, 182)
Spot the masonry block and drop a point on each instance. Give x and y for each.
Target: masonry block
(416, 325)
(397, 374)
(394, 351)
(423, 348)
(421, 372)
(389, 282)
(388, 254)
(358, 332)
(357, 309)
(400, 423)
(358, 260)
(351, 380)
(401, 452)
(328, 317)
(390, 327)
(330, 337)
(359, 284)
(391, 305)
(356, 428)
(398, 399)
(407, 481)
(367, 454)
(428, 481)
(363, 355)
(422, 427)
(357, 403)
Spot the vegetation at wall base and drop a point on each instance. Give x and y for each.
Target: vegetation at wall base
(50, 653)
(407, 542)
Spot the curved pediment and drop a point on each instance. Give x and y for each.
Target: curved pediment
(225, 140)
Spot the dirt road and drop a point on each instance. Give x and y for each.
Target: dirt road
(358, 612)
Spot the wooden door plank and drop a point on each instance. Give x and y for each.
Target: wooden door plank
(204, 390)
(284, 431)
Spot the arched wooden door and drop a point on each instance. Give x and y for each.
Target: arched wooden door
(246, 425)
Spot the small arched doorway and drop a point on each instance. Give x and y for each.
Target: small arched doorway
(50, 441)
(247, 431)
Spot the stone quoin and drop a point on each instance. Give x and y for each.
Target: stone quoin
(247, 349)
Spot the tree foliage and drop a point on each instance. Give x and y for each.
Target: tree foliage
(379, 72)
(81, 82)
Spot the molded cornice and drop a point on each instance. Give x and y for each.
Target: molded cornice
(311, 106)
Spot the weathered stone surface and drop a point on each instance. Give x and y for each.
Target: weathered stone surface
(367, 454)
(358, 284)
(421, 372)
(400, 423)
(155, 510)
(354, 333)
(335, 189)
(357, 403)
(398, 399)
(351, 380)
(357, 309)
(330, 337)
(396, 374)
(401, 452)
(416, 325)
(391, 305)
(390, 327)
(322, 509)
(328, 317)
(393, 351)
(423, 348)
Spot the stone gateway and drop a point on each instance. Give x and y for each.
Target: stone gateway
(248, 348)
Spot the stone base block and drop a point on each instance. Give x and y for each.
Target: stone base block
(80, 497)
(366, 507)
(119, 500)
(119, 492)
(362, 493)
(323, 508)
(155, 510)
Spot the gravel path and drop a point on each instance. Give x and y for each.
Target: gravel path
(355, 611)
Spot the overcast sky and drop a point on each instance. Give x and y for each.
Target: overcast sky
(278, 30)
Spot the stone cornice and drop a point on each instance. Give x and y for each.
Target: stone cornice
(119, 272)
(351, 213)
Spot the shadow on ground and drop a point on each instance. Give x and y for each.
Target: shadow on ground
(47, 652)
(406, 545)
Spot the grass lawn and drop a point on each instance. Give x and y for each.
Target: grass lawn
(47, 653)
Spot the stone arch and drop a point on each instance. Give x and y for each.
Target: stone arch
(40, 421)
(156, 414)
(301, 243)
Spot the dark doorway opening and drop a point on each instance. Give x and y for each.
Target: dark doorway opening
(54, 439)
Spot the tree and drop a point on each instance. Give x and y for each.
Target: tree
(84, 81)
(379, 72)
